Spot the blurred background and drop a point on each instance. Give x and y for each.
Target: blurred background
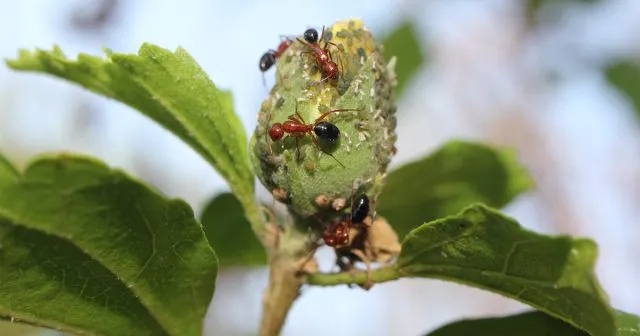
(533, 74)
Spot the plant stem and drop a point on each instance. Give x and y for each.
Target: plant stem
(384, 274)
(282, 291)
(287, 248)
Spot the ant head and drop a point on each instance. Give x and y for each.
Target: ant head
(327, 131)
(267, 60)
(311, 35)
(276, 132)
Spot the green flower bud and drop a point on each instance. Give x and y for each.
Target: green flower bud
(310, 181)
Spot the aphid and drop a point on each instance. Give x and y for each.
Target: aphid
(296, 127)
(321, 54)
(337, 233)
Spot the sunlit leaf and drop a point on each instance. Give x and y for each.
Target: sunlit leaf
(627, 324)
(533, 7)
(48, 281)
(625, 76)
(168, 87)
(104, 233)
(230, 233)
(480, 247)
(403, 42)
(533, 323)
(525, 324)
(448, 180)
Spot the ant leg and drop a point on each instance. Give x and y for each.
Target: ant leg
(297, 149)
(333, 44)
(341, 65)
(301, 119)
(303, 42)
(324, 115)
(315, 142)
(299, 115)
(266, 133)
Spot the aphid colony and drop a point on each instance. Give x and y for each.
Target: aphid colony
(337, 233)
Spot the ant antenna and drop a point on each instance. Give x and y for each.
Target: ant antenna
(338, 161)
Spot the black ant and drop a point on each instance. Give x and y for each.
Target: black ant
(296, 127)
(337, 233)
(321, 54)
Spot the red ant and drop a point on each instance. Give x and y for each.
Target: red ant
(337, 233)
(297, 128)
(270, 57)
(322, 54)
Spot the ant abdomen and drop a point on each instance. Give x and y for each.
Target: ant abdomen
(267, 60)
(360, 209)
(327, 131)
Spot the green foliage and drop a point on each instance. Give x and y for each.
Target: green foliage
(404, 43)
(48, 281)
(81, 240)
(87, 249)
(167, 87)
(481, 247)
(627, 324)
(530, 324)
(625, 76)
(230, 233)
(448, 180)
(524, 324)
(533, 7)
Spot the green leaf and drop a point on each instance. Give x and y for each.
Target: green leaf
(533, 7)
(526, 324)
(230, 233)
(404, 43)
(151, 245)
(448, 180)
(532, 323)
(627, 324)
(480, 247)
(7, 171)
(625, 76)
(47, 281)
(167, 87)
